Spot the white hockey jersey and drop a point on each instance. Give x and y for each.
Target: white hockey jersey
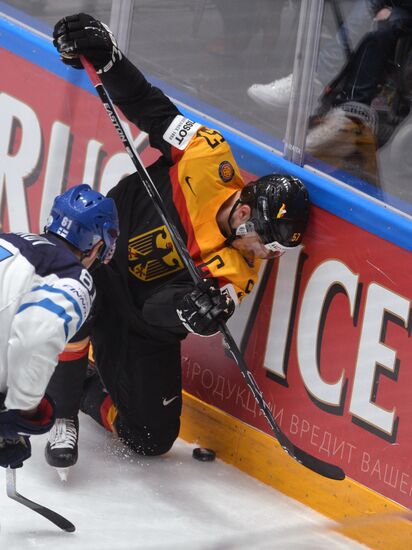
(45, 296)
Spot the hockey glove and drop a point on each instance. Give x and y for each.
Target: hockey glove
(82, 34)
(13, 452)
(13, 423)
(203, 309)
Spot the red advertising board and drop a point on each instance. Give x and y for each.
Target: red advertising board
(326, 332)
(54, 134)
(328, 342)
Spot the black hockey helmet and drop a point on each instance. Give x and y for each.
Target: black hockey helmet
(279, 211)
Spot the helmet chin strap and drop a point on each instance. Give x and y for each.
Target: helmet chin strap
(233, 235)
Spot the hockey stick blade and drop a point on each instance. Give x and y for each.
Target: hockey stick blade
(316, 465)
(325, 469)
(52, 516)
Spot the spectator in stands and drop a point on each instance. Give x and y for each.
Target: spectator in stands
(331, 58)
(357, 84)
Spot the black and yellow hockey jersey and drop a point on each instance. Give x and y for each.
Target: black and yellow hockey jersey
(195, 175)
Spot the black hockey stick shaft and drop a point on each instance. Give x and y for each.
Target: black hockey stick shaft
(141, 170)
(319, 466)
(52, 516)
(315, 464)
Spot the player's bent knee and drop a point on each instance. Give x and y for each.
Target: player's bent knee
(147, 441)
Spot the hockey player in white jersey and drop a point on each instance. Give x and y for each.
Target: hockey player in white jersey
(46, 295)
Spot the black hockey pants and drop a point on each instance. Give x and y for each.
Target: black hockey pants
(140, 367)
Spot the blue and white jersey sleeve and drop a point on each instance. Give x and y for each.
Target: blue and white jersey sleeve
(47, 317)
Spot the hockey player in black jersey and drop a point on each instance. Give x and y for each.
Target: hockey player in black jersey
(46, 295)
(146, 300)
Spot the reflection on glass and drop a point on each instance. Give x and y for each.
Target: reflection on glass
(362, 82)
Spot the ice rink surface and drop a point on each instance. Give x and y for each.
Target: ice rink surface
(119, 501)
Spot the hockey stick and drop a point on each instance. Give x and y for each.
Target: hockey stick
(319, 466)
(52, 516)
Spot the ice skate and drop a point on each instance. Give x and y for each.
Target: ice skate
(62, 450)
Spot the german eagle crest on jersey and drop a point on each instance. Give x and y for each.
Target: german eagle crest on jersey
(152, 255)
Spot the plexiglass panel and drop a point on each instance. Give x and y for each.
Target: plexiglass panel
(215, 51)
(234, 59)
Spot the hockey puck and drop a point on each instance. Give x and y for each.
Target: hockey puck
(205, 455)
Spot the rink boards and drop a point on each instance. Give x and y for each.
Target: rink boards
(326, 332)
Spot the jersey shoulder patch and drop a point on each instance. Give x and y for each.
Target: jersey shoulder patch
(180, 132)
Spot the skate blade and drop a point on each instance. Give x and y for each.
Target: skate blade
(63, 474)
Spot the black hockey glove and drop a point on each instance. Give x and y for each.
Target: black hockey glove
(13, 424)
(13, 452)
(82, 34)
(202, 309)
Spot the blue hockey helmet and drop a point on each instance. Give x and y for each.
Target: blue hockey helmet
(83, 217)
